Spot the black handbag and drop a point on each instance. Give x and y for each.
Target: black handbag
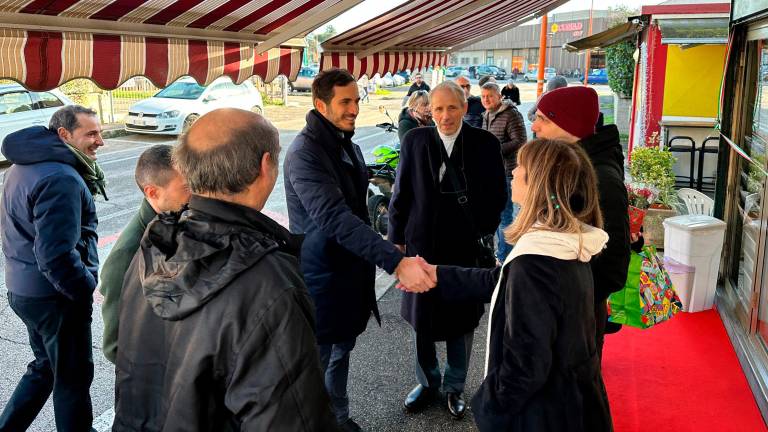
(484, 254)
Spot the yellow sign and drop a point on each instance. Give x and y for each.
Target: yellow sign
(554, 28)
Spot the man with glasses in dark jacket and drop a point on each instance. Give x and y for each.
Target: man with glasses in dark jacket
(475, 109)
(48, 217)
(216, 324)
(326, 183)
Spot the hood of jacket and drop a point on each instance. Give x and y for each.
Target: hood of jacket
(405, 115)
(191, 256)
(36, 144)
(565, 246)
(604, 146)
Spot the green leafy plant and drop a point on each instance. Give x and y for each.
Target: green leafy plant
(620, 67)
(653, 166)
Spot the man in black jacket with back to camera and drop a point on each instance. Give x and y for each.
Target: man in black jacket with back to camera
(570, 114)
(216, 324)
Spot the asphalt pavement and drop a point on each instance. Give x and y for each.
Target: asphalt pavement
(118, 160)
(382, 363)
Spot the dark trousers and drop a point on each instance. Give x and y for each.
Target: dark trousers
(458, 351)
(60, 337)
(601, 317)
(334, 360)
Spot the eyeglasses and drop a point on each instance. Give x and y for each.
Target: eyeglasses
(467, 86)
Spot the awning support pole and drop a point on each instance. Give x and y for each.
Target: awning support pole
(542, 57)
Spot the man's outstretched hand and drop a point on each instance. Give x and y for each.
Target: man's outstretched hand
(413, 275)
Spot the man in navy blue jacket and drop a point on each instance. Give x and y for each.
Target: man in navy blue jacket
(48, 218)
(325, 186)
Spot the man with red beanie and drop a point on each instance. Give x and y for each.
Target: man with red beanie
(571, 114)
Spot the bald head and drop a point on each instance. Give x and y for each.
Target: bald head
(465, 85)
(217, 127)
(223, 150)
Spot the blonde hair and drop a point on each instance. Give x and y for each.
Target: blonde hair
(417, 98)
(562, 190)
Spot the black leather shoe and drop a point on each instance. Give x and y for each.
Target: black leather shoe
(456, 405)
(419, 398)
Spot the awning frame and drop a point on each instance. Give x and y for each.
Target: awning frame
(611, 36)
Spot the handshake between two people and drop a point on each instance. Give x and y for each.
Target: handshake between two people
(415, 275)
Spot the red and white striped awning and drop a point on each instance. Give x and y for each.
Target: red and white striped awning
(44, 43)
(428, 28)
(382, 62)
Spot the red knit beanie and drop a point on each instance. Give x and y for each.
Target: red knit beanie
(574, 109)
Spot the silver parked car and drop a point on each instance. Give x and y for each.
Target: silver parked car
(21, 108)
(173, 109)
(304, 79)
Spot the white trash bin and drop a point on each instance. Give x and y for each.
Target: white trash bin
(682, 280)
(697, 241)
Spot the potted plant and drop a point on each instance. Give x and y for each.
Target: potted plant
(653, 166)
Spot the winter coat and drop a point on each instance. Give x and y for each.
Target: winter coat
(610, 268)
(216, 328)
(326, 190)
(406, 122)
(475, 110)
(512, 94)
(113, 272)
(48, 219)
(508, 126)
(542, 367)
(419, 220)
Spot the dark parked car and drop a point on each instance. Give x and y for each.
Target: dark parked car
(485, 70)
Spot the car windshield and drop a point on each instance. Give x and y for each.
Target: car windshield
(552, 70)
(181, 90)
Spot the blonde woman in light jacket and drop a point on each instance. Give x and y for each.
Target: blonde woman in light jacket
(542, 372)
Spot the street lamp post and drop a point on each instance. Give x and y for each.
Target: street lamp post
(542, 57)
(589, 52)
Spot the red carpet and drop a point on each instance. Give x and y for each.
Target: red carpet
(682, 375)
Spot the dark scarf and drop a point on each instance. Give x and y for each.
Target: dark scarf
(90, 172)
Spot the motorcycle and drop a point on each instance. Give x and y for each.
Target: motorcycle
(381, 176)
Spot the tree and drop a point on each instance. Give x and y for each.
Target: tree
(327, 33)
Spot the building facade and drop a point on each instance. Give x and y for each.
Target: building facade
(518, 48)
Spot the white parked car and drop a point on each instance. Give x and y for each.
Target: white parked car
(20, 108)
(398, 80)
(173, 109)
(549, 73)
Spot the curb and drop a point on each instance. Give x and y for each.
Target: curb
(115, 132)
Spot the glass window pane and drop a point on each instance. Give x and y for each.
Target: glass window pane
(694, 30)
(48, 100)
(15, 102)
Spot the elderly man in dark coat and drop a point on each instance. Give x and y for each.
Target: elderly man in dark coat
(449, 192)
(325, 186)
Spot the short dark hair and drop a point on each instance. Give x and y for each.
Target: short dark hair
(325, 81)
(230, 167)
(155, 166)
(66, 117)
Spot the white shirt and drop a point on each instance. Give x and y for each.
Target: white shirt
(448, 142)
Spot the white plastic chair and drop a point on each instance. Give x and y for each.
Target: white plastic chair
(696, 202)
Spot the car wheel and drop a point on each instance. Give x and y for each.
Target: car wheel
(188, 122)
(257, 109)
(290, 88)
